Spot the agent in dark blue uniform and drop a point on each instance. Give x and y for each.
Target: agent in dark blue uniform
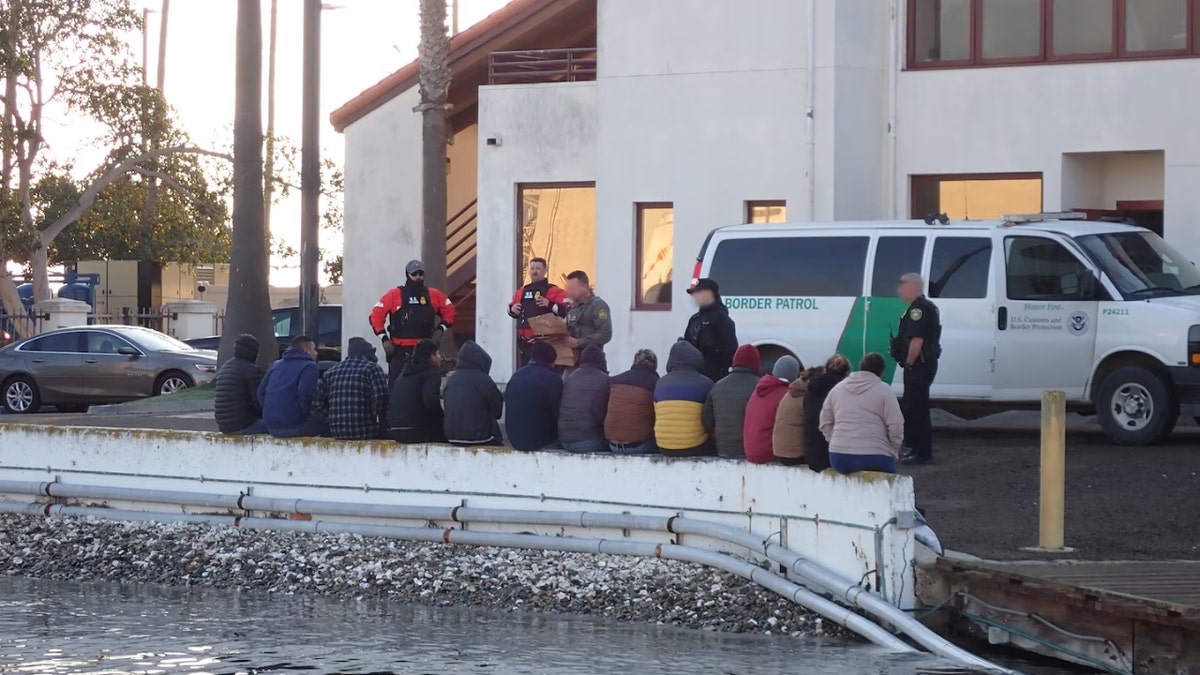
(916, 349)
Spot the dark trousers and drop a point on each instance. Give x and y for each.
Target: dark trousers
(918, 429)
(396, 361)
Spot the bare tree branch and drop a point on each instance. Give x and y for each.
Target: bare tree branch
(48, 233)
(170, 182)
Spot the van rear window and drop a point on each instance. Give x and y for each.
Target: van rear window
(791, 266)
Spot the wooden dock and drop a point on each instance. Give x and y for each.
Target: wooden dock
(1124, 617)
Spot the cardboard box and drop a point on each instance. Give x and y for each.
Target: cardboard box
(553, 329)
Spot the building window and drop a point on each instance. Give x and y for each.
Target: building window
(1082, 28)
(558, 223)
(655, 255)
(956, 33)
(1010, 30)
(766, 212)
(976, 196)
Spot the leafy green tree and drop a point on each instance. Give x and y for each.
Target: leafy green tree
(74, 53)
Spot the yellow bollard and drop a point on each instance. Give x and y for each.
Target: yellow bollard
(1054, 474)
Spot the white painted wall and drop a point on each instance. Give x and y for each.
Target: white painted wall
(701, 103)
(547, 134)
(382, 207)
(854, 514)
(1025, 118)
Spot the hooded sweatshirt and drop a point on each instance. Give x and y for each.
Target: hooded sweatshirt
(679, 401)
(473, 401)
(585, 399)
(725, 408)
(760, 419)
(787, 438)
(286, 392)
(816, 446)
(235, 403)
(861, 416)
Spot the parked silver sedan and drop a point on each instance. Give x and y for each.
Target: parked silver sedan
(73, 368)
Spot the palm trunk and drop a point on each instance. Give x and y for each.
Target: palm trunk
(249, 309)
(435, 87)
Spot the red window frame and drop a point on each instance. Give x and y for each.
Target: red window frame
(1046, 52)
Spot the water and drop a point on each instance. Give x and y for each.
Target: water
(59, 627)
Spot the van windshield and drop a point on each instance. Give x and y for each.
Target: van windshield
(1141, 264)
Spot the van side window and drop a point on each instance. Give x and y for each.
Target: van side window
(791, 266)
(960, 267)
(1043, 269)
(895, 256)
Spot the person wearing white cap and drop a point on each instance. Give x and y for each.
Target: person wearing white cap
(407, 314)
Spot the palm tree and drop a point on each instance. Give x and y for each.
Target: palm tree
(435, 88)
(249, 309)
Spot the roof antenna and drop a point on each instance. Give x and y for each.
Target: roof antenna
(939, 218)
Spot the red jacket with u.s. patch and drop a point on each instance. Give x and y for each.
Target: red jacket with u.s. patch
(407, 325)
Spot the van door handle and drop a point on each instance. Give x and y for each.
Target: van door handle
(1002, 318)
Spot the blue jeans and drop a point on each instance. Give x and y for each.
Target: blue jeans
(585, 447)
(315, 427)
(645, 448)
(848, 464)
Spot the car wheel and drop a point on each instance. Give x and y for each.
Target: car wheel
(21, 395)
(171, 382)
(1135, 406)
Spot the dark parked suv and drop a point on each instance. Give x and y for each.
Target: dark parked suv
(287, 326)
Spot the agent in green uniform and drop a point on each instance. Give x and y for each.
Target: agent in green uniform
(589, 321)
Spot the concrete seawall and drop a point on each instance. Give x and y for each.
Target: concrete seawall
(853, 525)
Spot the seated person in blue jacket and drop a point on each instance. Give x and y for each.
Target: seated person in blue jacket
(532, 401)
(286, 393)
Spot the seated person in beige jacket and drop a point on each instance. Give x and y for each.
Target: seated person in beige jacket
(862, 421)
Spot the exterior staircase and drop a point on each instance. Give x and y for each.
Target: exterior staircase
(461, 254)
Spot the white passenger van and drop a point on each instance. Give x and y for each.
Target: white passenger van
(1108, 313)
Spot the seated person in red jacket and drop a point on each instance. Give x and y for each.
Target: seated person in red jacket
(760, 411)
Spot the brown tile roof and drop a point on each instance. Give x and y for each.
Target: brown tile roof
(500, 30)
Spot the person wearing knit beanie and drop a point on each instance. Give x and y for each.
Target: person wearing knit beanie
(787, 368)
(724, 412)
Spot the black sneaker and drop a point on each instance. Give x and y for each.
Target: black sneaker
(913, 460)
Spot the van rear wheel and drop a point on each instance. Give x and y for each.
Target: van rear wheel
(1135, 406)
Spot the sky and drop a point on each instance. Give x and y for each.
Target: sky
(362, 42)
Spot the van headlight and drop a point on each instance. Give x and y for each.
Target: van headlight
(1194, 346)
(206, 367)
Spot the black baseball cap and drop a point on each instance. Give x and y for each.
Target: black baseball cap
(705, 284)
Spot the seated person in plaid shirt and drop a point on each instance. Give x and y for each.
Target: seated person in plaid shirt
(352, 396)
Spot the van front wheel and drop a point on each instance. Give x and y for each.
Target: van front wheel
(1135, 406)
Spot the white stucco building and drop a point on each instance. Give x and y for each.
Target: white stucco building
(654, 122)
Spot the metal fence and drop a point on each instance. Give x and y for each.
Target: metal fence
(129, 316)
(19, 326)
(542, 65)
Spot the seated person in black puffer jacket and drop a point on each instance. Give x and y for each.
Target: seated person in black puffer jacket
(235, 404)
(473, 402)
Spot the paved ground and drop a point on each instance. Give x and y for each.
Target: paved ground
(1122, 503)
(982, 494)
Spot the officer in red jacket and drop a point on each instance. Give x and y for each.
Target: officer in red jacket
(407, 314)
(536, 298)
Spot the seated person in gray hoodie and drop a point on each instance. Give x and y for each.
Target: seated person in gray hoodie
(862, 420)
(473, 402)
